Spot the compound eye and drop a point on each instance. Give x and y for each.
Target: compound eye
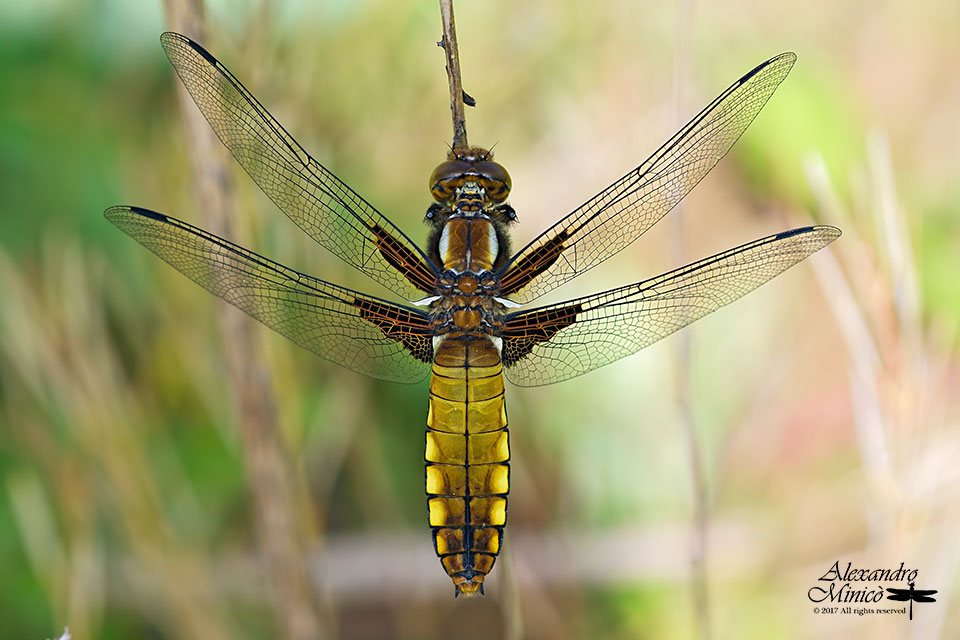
(494, 179)
(446, 178)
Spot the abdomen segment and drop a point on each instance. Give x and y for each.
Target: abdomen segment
(467, 474)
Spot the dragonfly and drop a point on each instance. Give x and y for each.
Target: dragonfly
(911, 595)
(467, 321)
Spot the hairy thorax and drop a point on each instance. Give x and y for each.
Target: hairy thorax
(469, 241)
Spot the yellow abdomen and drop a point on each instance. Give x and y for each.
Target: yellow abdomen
(467, 474)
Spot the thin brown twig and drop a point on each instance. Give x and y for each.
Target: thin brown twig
(449, 44)
(277, 500)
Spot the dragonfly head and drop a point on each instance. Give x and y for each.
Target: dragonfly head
(474, 165)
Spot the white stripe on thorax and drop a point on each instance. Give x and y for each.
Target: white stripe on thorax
(444, 242)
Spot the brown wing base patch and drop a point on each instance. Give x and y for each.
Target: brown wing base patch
(522, 332)
(404, 260)
(521, 273)
(411, 330)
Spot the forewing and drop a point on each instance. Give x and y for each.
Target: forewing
(366, 334)
(619, 214)
(560, 341)
(322, 205)
(899, 594)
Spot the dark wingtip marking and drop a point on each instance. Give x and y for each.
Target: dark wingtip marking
(203, 52)
(147, 213)
(116, 213)
(832, 232)
(788, 55)
(169, 37)
(783, 235)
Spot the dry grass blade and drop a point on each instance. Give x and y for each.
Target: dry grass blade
(682, 356)
(908, 450)
(73, 422)
(280, 511)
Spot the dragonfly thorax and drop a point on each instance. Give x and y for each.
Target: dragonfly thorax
(476, 315)
(468, 283)
(468, 244)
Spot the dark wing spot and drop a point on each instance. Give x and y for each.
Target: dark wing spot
(404, 260)
(524, 331)
(411, 330)
(522, 272)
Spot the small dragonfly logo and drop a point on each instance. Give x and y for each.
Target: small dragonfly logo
(912, 595)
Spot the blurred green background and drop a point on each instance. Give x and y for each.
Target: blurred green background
(824, 405)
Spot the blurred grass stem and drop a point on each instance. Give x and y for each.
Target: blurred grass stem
(277, 507)
(682, 358)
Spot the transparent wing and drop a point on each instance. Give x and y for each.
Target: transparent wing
(323, 206)
(557, 342)
(619, 214)
(362, 333)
